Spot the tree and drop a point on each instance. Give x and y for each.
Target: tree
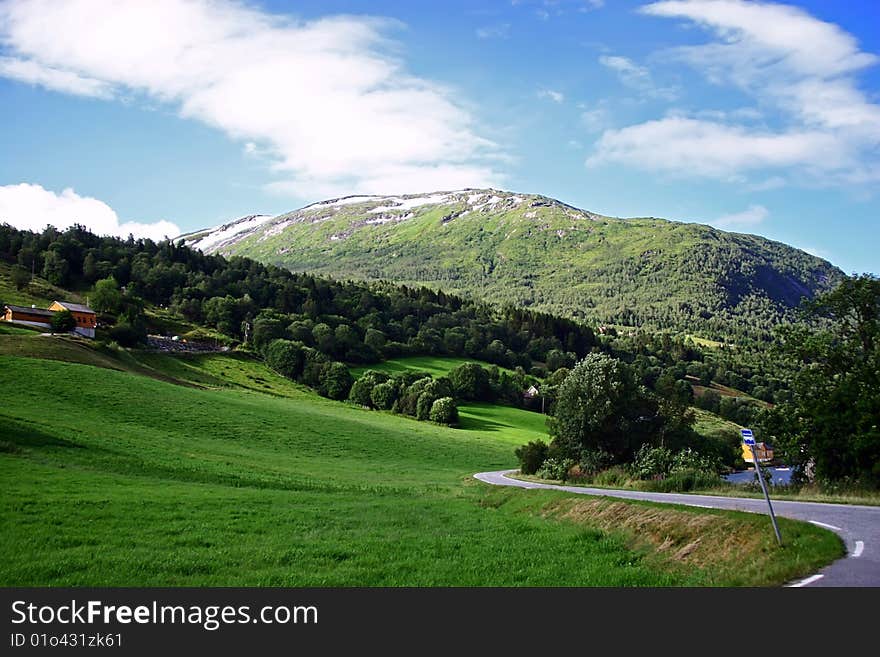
(470, 382)
(336, 382)
(833, 415)
(286, 357)
(600, 406)
(20, 277)
(269, 325)
(107, 298)
(63, 322)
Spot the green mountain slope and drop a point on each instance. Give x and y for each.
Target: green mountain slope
(534, 251)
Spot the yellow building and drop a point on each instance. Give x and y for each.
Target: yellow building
(763, 450)
(85, 317)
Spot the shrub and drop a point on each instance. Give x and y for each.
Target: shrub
(444, 411)
(384, 395)
(362, 390)
(423, 405)
(689, 459)
(593, 461)
(686, 480)
(555, 468)
(617, 476)
(407, 403)
(531, 456)
(651, 462)
(128, 335)
(63, 322)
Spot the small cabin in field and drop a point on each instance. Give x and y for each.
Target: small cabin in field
(85, 318)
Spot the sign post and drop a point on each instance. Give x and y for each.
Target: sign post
(749, 439)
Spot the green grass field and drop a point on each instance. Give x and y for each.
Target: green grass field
(436, 366)
(510, 425)
(115, 478)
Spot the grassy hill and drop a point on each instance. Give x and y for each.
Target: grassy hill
(534, 251)
(240, 477)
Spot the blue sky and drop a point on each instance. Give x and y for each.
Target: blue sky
(149, 117)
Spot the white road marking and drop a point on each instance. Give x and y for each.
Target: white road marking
(860, 546)
(826, 525)
(806, 582)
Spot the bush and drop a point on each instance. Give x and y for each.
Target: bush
(63, 322)
(616, 476)
(336, 382)
(444, 411)
(531, 456)
(128, 335)
(423, 405)
(362, 390)
(651, 462)
(683, 481)
(689, 459)
(593, 461)
(384, 395)
(555, 468)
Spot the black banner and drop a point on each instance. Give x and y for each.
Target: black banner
(176, 621)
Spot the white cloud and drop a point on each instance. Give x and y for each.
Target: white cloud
(801, 69)
(716, 150)
(754, 215)
(31, 207)
(327, 99)
(52, 78)
(555, 96)
(636, 77)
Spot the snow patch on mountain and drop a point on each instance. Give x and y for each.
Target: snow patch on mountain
(225, 232)
(401, 203)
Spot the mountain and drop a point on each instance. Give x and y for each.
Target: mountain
(534, 251)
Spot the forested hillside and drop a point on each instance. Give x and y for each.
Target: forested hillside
(535, 252)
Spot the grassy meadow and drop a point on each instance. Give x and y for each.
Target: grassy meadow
(126, 469)
(436, 366)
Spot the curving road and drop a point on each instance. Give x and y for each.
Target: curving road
(858, 526)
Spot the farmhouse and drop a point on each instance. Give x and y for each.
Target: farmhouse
(85, 317)
(32, 316)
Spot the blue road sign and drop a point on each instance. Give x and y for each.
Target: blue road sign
(747, 436)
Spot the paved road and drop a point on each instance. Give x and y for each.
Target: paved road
(858, 526)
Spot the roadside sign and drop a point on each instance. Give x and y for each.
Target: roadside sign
(749, 439)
